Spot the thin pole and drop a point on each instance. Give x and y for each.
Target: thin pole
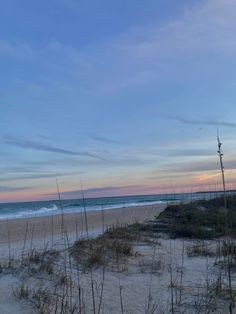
(221, 166)
(231, 305)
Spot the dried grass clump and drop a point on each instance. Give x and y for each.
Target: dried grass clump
(42, 300)
(102, 250)
(200, 248)
(21, 291)
(129, 232)
(41, 261)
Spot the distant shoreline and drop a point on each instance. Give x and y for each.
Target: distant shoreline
(25, 210)
(113, 196)
(56, 211)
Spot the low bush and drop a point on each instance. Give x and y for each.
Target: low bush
(205, 219)
(114, 244)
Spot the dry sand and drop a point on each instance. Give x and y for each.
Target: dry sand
(144, 278)
(21, 234)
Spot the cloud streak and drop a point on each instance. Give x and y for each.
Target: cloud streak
(212, 164)
(93, 192)
(10, 189)
(39, 176)
(189, 152)
(106, 189)
(103, 139)
(186, 120)
(46, 148)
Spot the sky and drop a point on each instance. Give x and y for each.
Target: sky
(116, 97)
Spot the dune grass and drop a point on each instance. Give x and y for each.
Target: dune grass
(205, 219)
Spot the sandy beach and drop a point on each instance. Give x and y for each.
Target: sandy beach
(127, 270)
(34, 232)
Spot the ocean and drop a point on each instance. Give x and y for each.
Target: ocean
(55, 207)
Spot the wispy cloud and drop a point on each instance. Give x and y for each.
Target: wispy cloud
(93, 191)
(203, 23)
(10, 189)
(211, 164)
(39, 176)
(18, 50)
(103, 139)
(156, 52)
(46, 148)
(189, 152)
(100, 191)
(186, 120)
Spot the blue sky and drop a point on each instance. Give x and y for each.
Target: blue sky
(124, 96)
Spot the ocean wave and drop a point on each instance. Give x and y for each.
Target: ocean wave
(47, 209)
(43, 211)
(53, 209)
(133, 204)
